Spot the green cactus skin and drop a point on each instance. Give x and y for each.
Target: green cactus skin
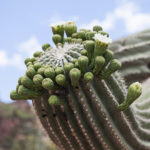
(134, 54)
(76, 97)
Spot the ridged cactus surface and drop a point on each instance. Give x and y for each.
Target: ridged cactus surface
(134, 54)
(80, 97)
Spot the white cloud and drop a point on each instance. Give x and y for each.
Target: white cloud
(127, 12)
(15, 60)
(30, 46)
(26, 49)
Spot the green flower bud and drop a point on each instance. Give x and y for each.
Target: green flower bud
(19, 80)
(74, 61)
(68, 67)
(55, 100)
(37, 66)
(15, 96)
(97, 28)
(84, 52)
(81, 35)
(98, 64)
(108, 55)
(58, 29)
(104, 33)
(57, 39)
(70, 28)
(49, 73)
(59, 70)
(112, 67)
(76, 64)
(134, 91)
(100, 48)
(27, 82)
(30, 72)
(79, 40)
(48, 84)
(29, 63)
(75, 35)
(59, 45)
(37, 54)
(45, 46)
(89, 35)
(74, 75)
(74, 40)
(83, 63)
(88, 76)
(41, 71)
(37, 79)
(28, 93)
(33, 59)
(89, 46)
(61, 80)
(68, 39)
(27, 60)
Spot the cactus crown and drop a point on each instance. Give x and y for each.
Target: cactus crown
(81, 55)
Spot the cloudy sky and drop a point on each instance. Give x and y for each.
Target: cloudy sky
(24, 27)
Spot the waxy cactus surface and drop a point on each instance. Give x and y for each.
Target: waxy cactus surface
(80, 97)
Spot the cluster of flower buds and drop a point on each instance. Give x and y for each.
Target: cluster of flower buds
(81, 54)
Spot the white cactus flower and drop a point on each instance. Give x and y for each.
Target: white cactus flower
(102, 38)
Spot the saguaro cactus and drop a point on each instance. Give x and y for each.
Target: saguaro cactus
(79, 96)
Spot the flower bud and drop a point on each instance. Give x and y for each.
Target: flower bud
(45, 46)
(134, 91)
(37, 66)
(30, 72)
(55, 100)
(83, 63)
(57, 39)
(27, 82)
(61, 80)
(84, 52)
(88, 76)
(90, 35)
(98, 64)
(59, 70)
(112, 67)
(58, 29)
(70, 28)
(37, 54)
(97, 28)
(49, 73)
(89, 46)
(37, 79)
(15, 96)
(41, 71)
(74, 75)
(68, 67)
(28, 93)
(27, 60)
(108, 55)
(48, 84)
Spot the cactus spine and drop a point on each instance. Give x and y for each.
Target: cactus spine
(79, 96)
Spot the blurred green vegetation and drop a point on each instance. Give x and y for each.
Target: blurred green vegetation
(20, 129)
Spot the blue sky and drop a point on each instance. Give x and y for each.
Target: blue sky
(24, 27)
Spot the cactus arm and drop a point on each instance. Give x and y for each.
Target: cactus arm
(134, 53)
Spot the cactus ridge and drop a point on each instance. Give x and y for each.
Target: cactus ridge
(134, 54)
(79, 95)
